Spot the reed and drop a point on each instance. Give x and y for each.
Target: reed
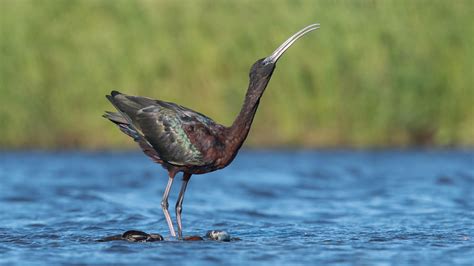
(377, 73)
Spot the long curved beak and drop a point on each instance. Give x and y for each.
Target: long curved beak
(273, 58)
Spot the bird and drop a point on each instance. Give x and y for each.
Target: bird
(185, 141)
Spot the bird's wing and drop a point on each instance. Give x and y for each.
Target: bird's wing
(127, 128)
(164, 129)
(163, 125)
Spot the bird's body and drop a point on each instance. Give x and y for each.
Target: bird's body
(178, 138)
(183, 140)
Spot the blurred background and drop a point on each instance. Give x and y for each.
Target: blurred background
(377, 73)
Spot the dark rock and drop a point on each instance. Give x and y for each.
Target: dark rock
(134, 236)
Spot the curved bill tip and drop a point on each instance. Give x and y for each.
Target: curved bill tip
(273, 58)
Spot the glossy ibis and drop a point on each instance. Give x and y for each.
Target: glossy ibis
(182, 140)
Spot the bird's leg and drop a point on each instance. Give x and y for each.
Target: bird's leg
(164, 203)
(179, 203)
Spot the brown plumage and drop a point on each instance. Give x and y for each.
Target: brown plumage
(182, 140)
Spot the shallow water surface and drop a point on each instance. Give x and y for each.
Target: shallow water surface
(287, 207)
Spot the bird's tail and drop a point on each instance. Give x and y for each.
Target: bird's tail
(126, 126)
(127, 105)
(121, 118)
(123, 124)
(117, 118)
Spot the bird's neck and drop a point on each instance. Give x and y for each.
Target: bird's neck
(240, 128)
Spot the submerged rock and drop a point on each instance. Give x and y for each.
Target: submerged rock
(111, 238)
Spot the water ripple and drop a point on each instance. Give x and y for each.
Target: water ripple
(287, 207)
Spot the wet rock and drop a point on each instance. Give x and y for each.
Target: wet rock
(140, 236)
(156, 237)
(134, 236)
(218, 235)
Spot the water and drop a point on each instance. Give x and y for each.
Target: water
(287, 207)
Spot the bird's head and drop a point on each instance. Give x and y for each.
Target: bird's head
(262, 70)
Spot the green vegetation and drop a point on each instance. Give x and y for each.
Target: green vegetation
(377, 73)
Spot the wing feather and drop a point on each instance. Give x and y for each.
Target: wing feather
(163, 128)
(162, 125)
(131, 131)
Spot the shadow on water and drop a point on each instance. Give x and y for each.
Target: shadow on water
(287, 207)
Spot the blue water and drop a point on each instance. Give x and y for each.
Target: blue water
(287, 207)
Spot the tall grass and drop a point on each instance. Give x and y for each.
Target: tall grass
(377, 73)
